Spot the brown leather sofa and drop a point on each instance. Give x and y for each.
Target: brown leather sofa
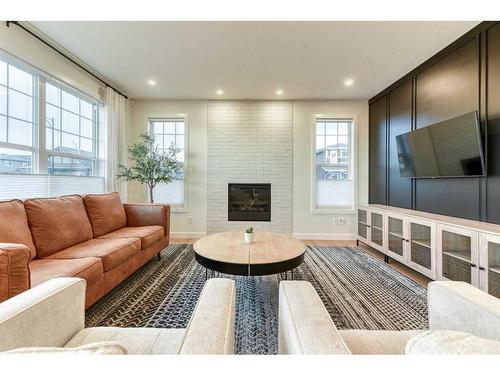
(94, 237)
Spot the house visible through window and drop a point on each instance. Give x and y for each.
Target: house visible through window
(333, 158)
(171, 132)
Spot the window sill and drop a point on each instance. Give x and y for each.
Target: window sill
(178, 209)
(333, 211)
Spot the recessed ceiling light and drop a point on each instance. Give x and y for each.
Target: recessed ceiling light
(151, 82)
(220, 92)
(348, 82)
(279, 92)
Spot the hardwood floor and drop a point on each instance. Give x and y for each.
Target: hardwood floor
(188, 241)
(415, 276)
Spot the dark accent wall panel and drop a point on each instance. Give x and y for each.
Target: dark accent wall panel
(493, 126)
(447, 89)
(378, 151)
(400, 119)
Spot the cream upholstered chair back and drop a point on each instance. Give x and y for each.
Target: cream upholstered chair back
(45, 316)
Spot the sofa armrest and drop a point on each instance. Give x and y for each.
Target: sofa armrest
(141, 214)
(305, 327)
(211, 328)
(48, 315)
(458, 306)
(14, 270)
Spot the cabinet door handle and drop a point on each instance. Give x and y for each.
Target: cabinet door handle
(473, 265)
(481, 268)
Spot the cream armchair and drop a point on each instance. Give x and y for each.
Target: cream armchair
(53, 315)
(456, 310)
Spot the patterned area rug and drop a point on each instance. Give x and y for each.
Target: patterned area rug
(359, 292)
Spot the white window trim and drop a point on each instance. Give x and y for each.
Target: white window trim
(149, 117)
(14, 60)
(35, 94)
(354, 165)
(44, 152)
(38, 149)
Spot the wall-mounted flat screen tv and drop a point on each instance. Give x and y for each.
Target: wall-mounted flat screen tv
(450, 148)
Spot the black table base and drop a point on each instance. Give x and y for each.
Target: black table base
(260, 269)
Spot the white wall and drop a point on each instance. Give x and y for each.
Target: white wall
(192, 223)
(320, 225)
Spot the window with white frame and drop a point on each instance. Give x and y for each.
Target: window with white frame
(171, 131)
(333, 176)
(48, 135)
(70, 133)
(17, 119)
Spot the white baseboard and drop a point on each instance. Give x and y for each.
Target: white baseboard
(325, 236)
(187, 234)
(300, 236)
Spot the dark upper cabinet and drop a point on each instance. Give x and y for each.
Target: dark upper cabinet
(378, 151)
(400, 108)
(447, 89)
(493, 127)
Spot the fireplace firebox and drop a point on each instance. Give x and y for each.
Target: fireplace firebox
(249, 202)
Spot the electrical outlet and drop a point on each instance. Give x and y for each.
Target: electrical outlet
(190, 219)
(339, 221)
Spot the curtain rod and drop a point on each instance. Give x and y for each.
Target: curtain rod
(8, 23)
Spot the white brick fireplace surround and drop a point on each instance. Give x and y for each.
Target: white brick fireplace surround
(250, 142)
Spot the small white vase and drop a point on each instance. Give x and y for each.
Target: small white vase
(248, 237)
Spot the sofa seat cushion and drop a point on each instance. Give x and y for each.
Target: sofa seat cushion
(57, 223)
(112, 252)
(135, 340)
(148, 234)
(106, 212)
(361, 341)
(89, 269)
(14, 225)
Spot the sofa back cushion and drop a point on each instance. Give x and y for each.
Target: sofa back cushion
(106, 212)
(14, 225)
(57, 223)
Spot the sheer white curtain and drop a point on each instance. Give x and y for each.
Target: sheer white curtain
(116, 145)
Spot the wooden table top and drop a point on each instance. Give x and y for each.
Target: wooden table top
(266, 248)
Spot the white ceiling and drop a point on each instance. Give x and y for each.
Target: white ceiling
(251, 60)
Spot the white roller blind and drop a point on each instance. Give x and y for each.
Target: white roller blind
(41, 186)
(172, 193)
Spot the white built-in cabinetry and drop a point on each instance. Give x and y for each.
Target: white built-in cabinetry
(489, 264)
(440, 247)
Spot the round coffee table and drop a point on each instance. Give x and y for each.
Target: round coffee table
(268, 254)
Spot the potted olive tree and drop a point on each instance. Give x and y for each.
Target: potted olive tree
(149, 165)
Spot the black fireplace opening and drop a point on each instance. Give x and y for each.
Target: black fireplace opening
(249, 202)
